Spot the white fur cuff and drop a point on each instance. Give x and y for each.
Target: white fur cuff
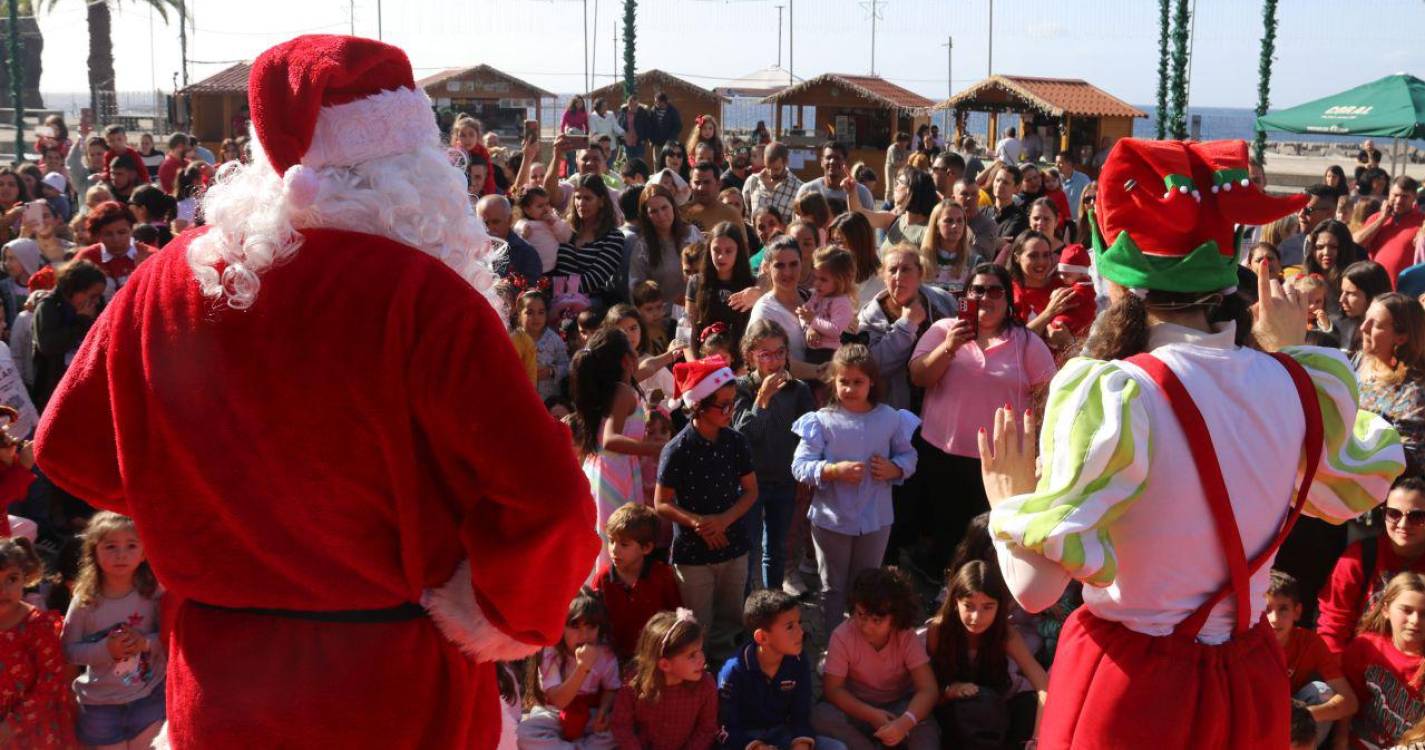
(384, 124)
(453, 608)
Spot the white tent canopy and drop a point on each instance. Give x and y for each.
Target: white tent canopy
(759, 84)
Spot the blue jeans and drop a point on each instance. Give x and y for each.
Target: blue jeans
(772, 736)
(769, 522)
(113, 724)
(1314, 694)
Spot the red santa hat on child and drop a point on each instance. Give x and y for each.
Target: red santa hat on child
(696, 380)
(1074, 259)
(323, 100)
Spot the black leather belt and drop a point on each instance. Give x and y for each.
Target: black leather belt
(398, 613)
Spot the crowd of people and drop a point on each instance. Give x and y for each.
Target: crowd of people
(776, 388)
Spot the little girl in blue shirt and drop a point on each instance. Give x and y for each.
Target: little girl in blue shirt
(852, 451)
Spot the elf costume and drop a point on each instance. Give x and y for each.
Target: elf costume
(332, 478)
(1168, 480)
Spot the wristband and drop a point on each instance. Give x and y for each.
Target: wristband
(911, 716)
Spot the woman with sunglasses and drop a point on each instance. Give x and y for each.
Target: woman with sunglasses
(1364, 568)
(672, 156)
(968, 367)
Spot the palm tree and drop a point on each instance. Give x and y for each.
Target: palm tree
(31, 45)
(102, 96)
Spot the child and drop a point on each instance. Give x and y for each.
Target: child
(715, 341)
(765, 690)
(725, 270)
(983, 703)
(831, 310)
(1315, 672)
(705, 484)
(551, 357)
(852, 451)
(1074, 272)
(111, 631)
(525, 349)
(1383, 664)
(36, 710)
(578, 678)
(648, 298)
(660, 430)
(635, 587)
(1319, 329)
(670, 701)
(541, 227)
(878, 684)
(1363, 569)
(609, 423)
(652, 376)
(813, 211)
(769, 401)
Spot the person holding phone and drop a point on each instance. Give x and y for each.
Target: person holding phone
(968, 365)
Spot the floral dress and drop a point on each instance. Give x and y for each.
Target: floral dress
(35, 702)
(1403, 406)
(617, 478)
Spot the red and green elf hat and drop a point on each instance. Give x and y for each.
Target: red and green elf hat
(1170, 211)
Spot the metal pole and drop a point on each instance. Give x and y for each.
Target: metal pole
(183, 40)
(594, 55)
(351, 15)
(779, 36)
(990, 64)
(17, 82)
(379, 35)
(792, 50)
(586, 48)
(1192, 42)
(873, 37)
(949, 78)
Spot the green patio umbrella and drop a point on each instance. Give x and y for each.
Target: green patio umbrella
(1392, 107)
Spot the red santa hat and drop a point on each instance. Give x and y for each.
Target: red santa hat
(1074, 259)
(696, 380)
(325, 100)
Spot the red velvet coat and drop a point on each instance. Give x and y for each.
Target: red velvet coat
(341, 445)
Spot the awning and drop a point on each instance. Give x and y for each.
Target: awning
(1392, 107)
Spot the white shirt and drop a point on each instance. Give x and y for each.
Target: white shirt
(1009, 150)
(768, 307)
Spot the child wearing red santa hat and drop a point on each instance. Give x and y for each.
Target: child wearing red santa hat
(287, 403)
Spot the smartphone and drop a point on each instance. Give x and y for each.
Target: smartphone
(187, 209)
(34, 214)
(970, 313)
(531, 131)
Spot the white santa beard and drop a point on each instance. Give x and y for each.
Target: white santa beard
(415, 198)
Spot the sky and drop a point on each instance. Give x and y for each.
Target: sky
(1322, 46)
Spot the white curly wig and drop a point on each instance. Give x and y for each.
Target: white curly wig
(417, 198)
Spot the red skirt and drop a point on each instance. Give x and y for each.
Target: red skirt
(1113, 688)
(239, 681)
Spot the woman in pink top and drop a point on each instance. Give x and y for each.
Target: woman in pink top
(967, 372)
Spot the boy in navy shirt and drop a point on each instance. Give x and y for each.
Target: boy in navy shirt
(764, 691)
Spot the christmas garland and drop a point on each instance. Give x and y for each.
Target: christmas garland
(1264, 74)
(1163, 16)
(1178, 115)
(630, 14)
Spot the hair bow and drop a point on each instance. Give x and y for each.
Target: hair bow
(519, 282)
(861, 337)
(713, 329)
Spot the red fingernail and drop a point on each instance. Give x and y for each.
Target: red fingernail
(1007, 407)
(982, 430)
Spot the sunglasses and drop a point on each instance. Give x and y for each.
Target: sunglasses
(980, 291)
(722, 406)
(1412, 518)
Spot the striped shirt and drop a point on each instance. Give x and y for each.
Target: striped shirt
(597, 264)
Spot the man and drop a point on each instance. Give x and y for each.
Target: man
(1072, 181)
(390, 427)
(117, 139)
(774, 186)
(935, 136)
(517, 257)
(973, 164)
(1009, 149)
(173, 161)
(590, 162)
(667, 123)
(1010, 217)
(1319, 208)
(703, 209)
(896, 155)
(833, 172)
(123, 176)
(634, 173)
(737, 172)
(200, 151)
(966, 192)
(637, 126)
(947, 170)
(1388, 235)
(1369, 155)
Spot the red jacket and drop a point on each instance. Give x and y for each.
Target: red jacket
(1342, 603)
(631, 608)
(341, 445)
(1030, 302)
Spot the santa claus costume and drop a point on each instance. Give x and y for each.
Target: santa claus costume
(319, 425)
(1171, 470)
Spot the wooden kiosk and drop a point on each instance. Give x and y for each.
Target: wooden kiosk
(1067, 113)
(862, 112)
(499, 100)
(217, 105)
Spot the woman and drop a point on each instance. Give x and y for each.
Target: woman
(672, 156)
(947, 251)
(1335, 179)
(1044, 218)
(602, 122)
(1161, 472)
(1031, 185)
(62, 318)
(152, 157)
(725, 270)
(707, 132)
(575, 121)
(662, 235)
(55, 250)
(22, 260)
(594, 254)
(784, 263)
(229, 152)
(1391, 366)
(1039, 295)
(151, 205)
(1329, 250)
(853, 232)
(1361, 283)
(967, 371)
(768, 225)
(13, 197)
(894, 320)
(905, 224)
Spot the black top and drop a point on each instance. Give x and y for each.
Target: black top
(1011, 220)
(707, 477)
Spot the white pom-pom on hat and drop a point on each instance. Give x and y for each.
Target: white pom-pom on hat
(300, 185)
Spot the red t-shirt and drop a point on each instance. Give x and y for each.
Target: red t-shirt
(1393, 245)
(168, 173)
(630, 608)
(1341, 603)
(1387, 682)
(1308, 658)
